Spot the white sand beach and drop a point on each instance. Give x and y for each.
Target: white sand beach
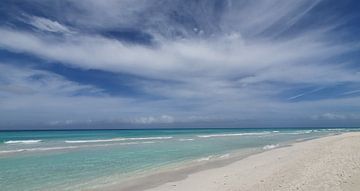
(329, 163)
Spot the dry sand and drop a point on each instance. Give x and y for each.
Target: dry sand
(329, 163)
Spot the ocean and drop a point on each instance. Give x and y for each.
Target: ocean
(89, 159)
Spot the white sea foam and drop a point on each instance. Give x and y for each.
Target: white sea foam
(267, 147)
(36, 149)
(186, 139)
(117, 139)
(211, 157)
(148, 142)
(22, 141)
(231, 134)
(224, 156)
(298, 132)
(292, 133)
(11, 151)
(205, 158)
(69, 147)
(337, 129)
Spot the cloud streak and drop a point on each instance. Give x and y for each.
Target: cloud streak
(210, 59)
(48, 25)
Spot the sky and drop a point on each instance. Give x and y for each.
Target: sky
(72, 64)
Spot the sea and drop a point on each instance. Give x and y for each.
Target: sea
(90, 159)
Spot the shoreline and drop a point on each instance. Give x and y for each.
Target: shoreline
(178, 171)
(208, 173)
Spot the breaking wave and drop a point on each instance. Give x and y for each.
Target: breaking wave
(22, 141)
(231, 134)
(267, 147)
(69, 147)
(186, 139)
(116, 139)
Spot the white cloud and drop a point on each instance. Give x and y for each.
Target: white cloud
(184, 59)
(48, 25)
(330, 116)
(351, 92)
(25, 81)
(257, 16)
(235, 71)
(152, 119)
(337, 116)
(305, 93)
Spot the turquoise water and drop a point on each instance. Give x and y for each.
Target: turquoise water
(75, 160)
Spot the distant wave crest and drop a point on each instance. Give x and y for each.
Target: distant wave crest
(36, 149)
(69, 147)
(300, 132)
(231, 134)
(22, 141)
(186, 139)
(116, 139)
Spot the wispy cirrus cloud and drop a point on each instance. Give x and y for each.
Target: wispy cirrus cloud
(48, 25)
(25, 81)
(211, 59)
(219, 57)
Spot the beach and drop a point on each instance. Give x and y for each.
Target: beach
(180, 159)
(328, 163)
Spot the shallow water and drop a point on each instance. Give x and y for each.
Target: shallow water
(73, 160)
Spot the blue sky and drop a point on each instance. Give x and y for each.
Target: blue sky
(179, 63)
